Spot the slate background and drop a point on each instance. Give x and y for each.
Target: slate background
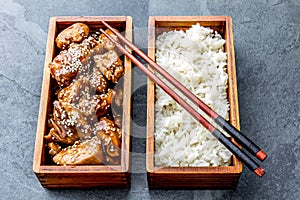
(267, 56)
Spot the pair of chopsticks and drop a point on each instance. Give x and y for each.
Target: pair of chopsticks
(242, 139)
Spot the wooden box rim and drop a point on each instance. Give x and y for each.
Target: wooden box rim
(236, 166)
(124, 167)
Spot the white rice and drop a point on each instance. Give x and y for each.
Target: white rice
(195, 58)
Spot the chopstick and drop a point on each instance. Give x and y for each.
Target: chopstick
(249, 162)
(241, 138)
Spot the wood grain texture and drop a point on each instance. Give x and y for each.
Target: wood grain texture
(52, 176)
(192, 177)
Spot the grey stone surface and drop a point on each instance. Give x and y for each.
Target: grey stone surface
(267, 55)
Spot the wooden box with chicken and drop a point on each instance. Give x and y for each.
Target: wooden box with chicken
(83, 133)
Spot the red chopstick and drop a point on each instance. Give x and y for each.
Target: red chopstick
(241, 138)
(249, 162)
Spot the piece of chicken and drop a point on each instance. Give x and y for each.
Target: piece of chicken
(55, 135)
(73, 34)
(86, 107)
(73, 62)
(104, 104)
(117, 104)
(98, 81)
(69, 124)
(105, 42)
(81, 120)
(54, 148)
(66, 65)
(74, 92)
(85, 153)
(93, 107)
(110, 135)
(107, 131)
(110, 65)
(62, 124)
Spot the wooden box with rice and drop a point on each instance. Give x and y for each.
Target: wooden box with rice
(198, 51)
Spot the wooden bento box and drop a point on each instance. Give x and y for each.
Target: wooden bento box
(82, 176)
(160, 177)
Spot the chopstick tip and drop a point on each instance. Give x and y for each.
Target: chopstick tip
(259, 171)
(261, 155)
